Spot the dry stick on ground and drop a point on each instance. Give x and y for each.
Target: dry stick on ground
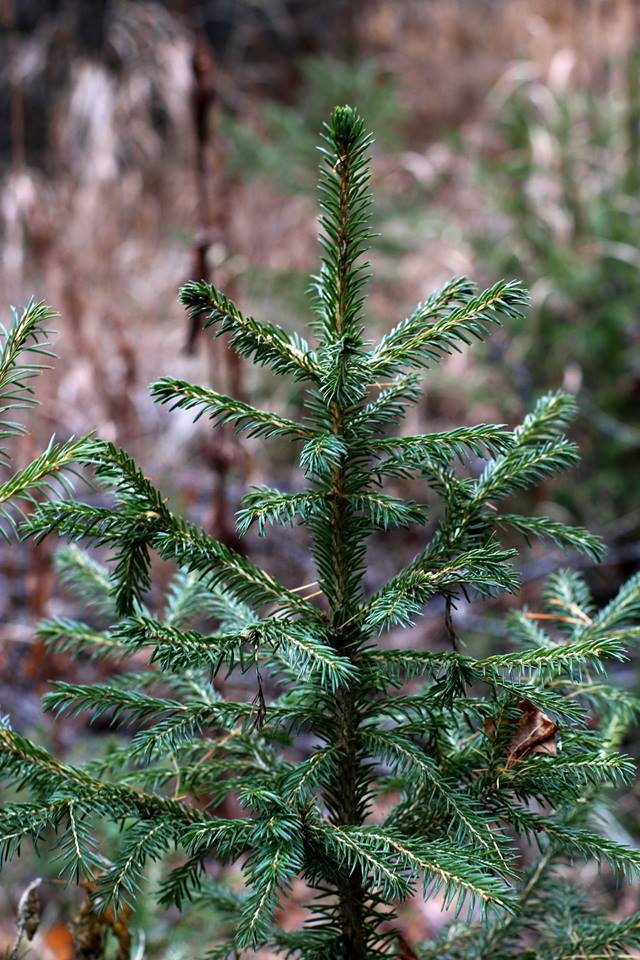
(224, 451)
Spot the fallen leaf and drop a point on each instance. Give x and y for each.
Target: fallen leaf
(406, 950)
(533, 732)
(58, 942)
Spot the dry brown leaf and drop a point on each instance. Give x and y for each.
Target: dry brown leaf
(58, 942)
(533, 732)
(406, 950)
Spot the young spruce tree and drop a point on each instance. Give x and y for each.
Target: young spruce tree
(491, 773)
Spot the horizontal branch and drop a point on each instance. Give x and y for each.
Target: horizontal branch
(264, 343)
(222, 409)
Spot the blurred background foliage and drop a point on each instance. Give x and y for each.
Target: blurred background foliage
(146, 143)
(567, 190)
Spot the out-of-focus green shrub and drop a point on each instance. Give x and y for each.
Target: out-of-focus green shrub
(293, 127)
(564, 178)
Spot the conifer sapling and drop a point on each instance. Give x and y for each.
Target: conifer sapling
(479, 760)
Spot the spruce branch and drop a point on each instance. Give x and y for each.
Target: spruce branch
(390, 404)
(322, 453)
(445, 322)
(624, 607)
(264, 343)
(85, 577)
(24, 353)
(574, 840)
(265, 506)
(486, 567)
(469, 824)
(568, 598)
(197, 552)
(524, 466)
(49, 474)
(550, 417)
(345, 201)
(178, 650)
(79, 639)
(484, 440)
(221, 409)
(560, 534)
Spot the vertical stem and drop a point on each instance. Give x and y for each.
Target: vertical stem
(346, 794)
(347, 791)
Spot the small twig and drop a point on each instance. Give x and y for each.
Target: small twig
(176, 766)
(448, 624)
(310, 596)
(305, 586)
(258, 701)
(574, 607)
